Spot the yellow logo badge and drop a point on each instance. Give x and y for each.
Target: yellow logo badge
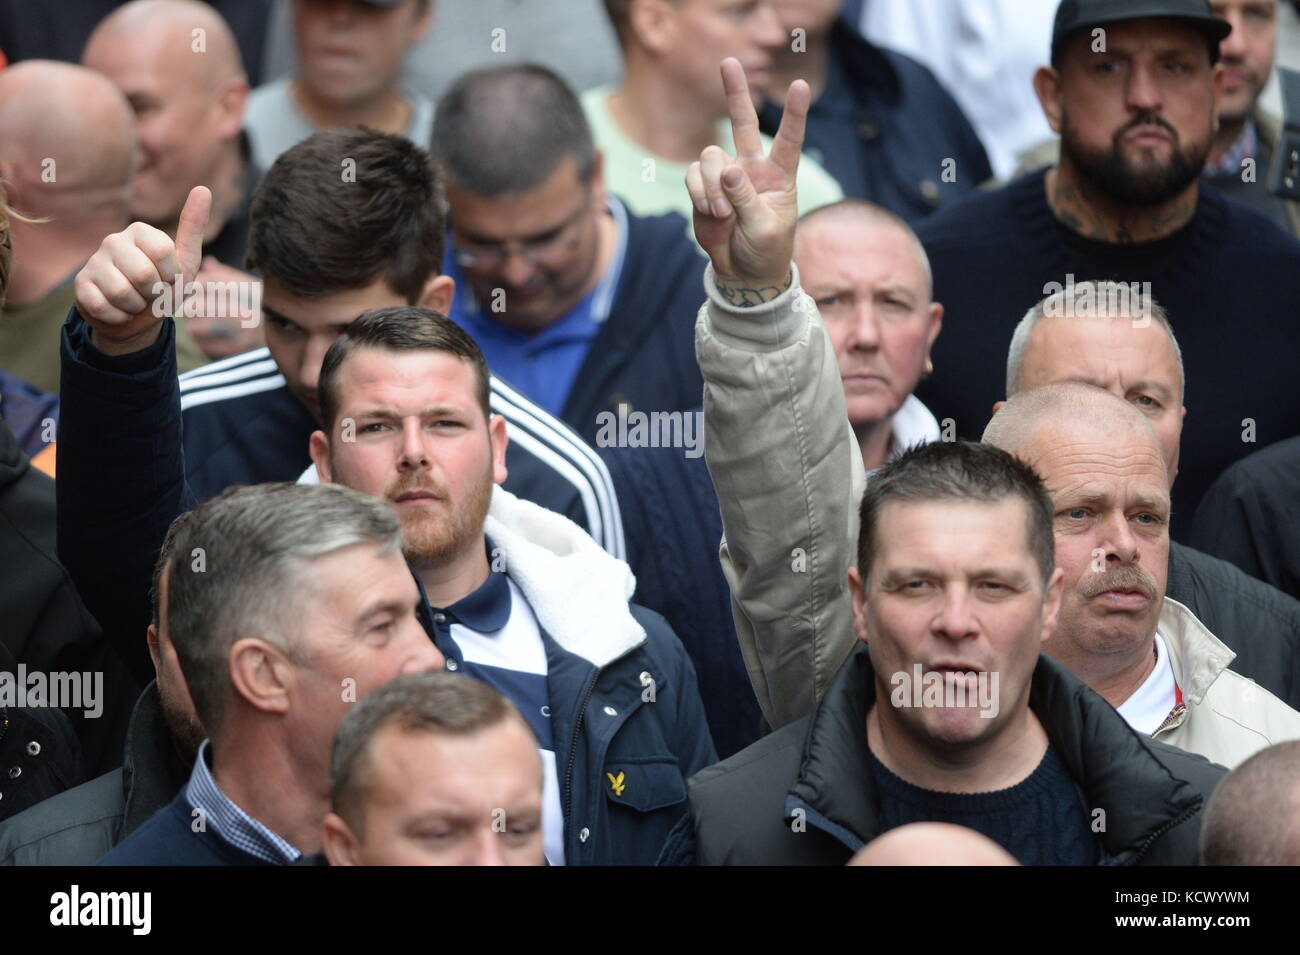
(615, 783)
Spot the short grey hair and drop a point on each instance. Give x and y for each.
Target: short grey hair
(241, 567)
(1092, 298)
(1253, 818)
(438, 702)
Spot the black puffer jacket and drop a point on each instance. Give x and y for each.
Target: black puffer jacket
(1152, 794)
(43, 623)
(39, 753)
(79, 826)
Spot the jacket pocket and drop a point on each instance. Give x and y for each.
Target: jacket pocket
(644, 783)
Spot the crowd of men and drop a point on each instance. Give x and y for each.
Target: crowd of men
(716, 465)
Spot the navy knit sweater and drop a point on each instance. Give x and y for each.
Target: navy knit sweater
(1230, 280)
(168, 839)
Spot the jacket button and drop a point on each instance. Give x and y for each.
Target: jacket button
(867, 131)
(646, 678)
(15, 772)
(439, 618)
(452, 666)
(610, 711)
(33, 748)
(582, 836)
(929, 191)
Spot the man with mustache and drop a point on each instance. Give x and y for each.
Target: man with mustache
(1134, 91)
(1147, 655)
(792, 483)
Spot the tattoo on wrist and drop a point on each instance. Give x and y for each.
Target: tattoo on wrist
(745, 296)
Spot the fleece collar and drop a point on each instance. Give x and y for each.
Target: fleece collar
(578, 592)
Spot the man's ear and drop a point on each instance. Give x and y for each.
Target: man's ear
(340, 846)
(319, 446)
(653, 24)
(858, 592)
(500, 440)
(936, 322)
(155, 653)
(1047, 87)
(1052, 603)
(437, 293)
(233, 103)
(261, 674)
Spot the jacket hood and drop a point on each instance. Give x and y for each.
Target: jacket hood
(578, 592)
(1112, 766)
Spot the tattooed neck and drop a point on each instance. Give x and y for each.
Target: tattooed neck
(1094, 217)
(739, 295)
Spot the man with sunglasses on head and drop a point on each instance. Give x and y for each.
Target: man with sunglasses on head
(576, 302)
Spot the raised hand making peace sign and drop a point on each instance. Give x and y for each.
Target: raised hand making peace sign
(745, 208)
(116, 289)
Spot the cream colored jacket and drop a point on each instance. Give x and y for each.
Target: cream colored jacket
(1225, 717)
(789, 477)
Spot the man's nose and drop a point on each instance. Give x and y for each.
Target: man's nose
(488, 848)
(768, 30)
(1234, 44)
(865, 331)
(1120, 541)
(516, 269)
(414, 452)
(1143, 91)
(313, 356)
(956, 619)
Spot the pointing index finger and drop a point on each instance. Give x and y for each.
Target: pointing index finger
(744, 119)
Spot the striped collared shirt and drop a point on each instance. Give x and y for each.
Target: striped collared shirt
(230, 822)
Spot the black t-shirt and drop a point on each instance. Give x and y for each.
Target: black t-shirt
(1041, 820)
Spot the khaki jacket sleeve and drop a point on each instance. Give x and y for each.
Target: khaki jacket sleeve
(789, 478)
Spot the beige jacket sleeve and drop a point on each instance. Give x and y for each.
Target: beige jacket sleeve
(789, 477)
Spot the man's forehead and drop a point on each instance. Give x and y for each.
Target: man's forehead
(335, 309)
(853, 248)
(942, 529)
(1131, 347)
(1072, 457)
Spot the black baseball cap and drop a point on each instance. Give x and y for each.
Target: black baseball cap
(1073, 16)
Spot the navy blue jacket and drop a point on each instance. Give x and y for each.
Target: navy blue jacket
(138, 447)
(602, 723)
(1230, 280)
(644, 353)
(885, 128)
(673, 527)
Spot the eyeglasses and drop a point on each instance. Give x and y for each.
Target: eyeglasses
(545, 251)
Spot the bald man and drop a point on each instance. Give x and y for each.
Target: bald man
(67, 154)
(1254, 815)
(1147, 655)
(932, 843)
(870, 277)
(1099, 333)
(179, 66)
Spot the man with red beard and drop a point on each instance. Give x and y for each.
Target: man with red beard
(513, 594)
(1146, 654)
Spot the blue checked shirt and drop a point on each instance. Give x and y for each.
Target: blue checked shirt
(230, 822)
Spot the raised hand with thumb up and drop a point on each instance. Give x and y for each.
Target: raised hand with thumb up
(745, 208)
(129, 285)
